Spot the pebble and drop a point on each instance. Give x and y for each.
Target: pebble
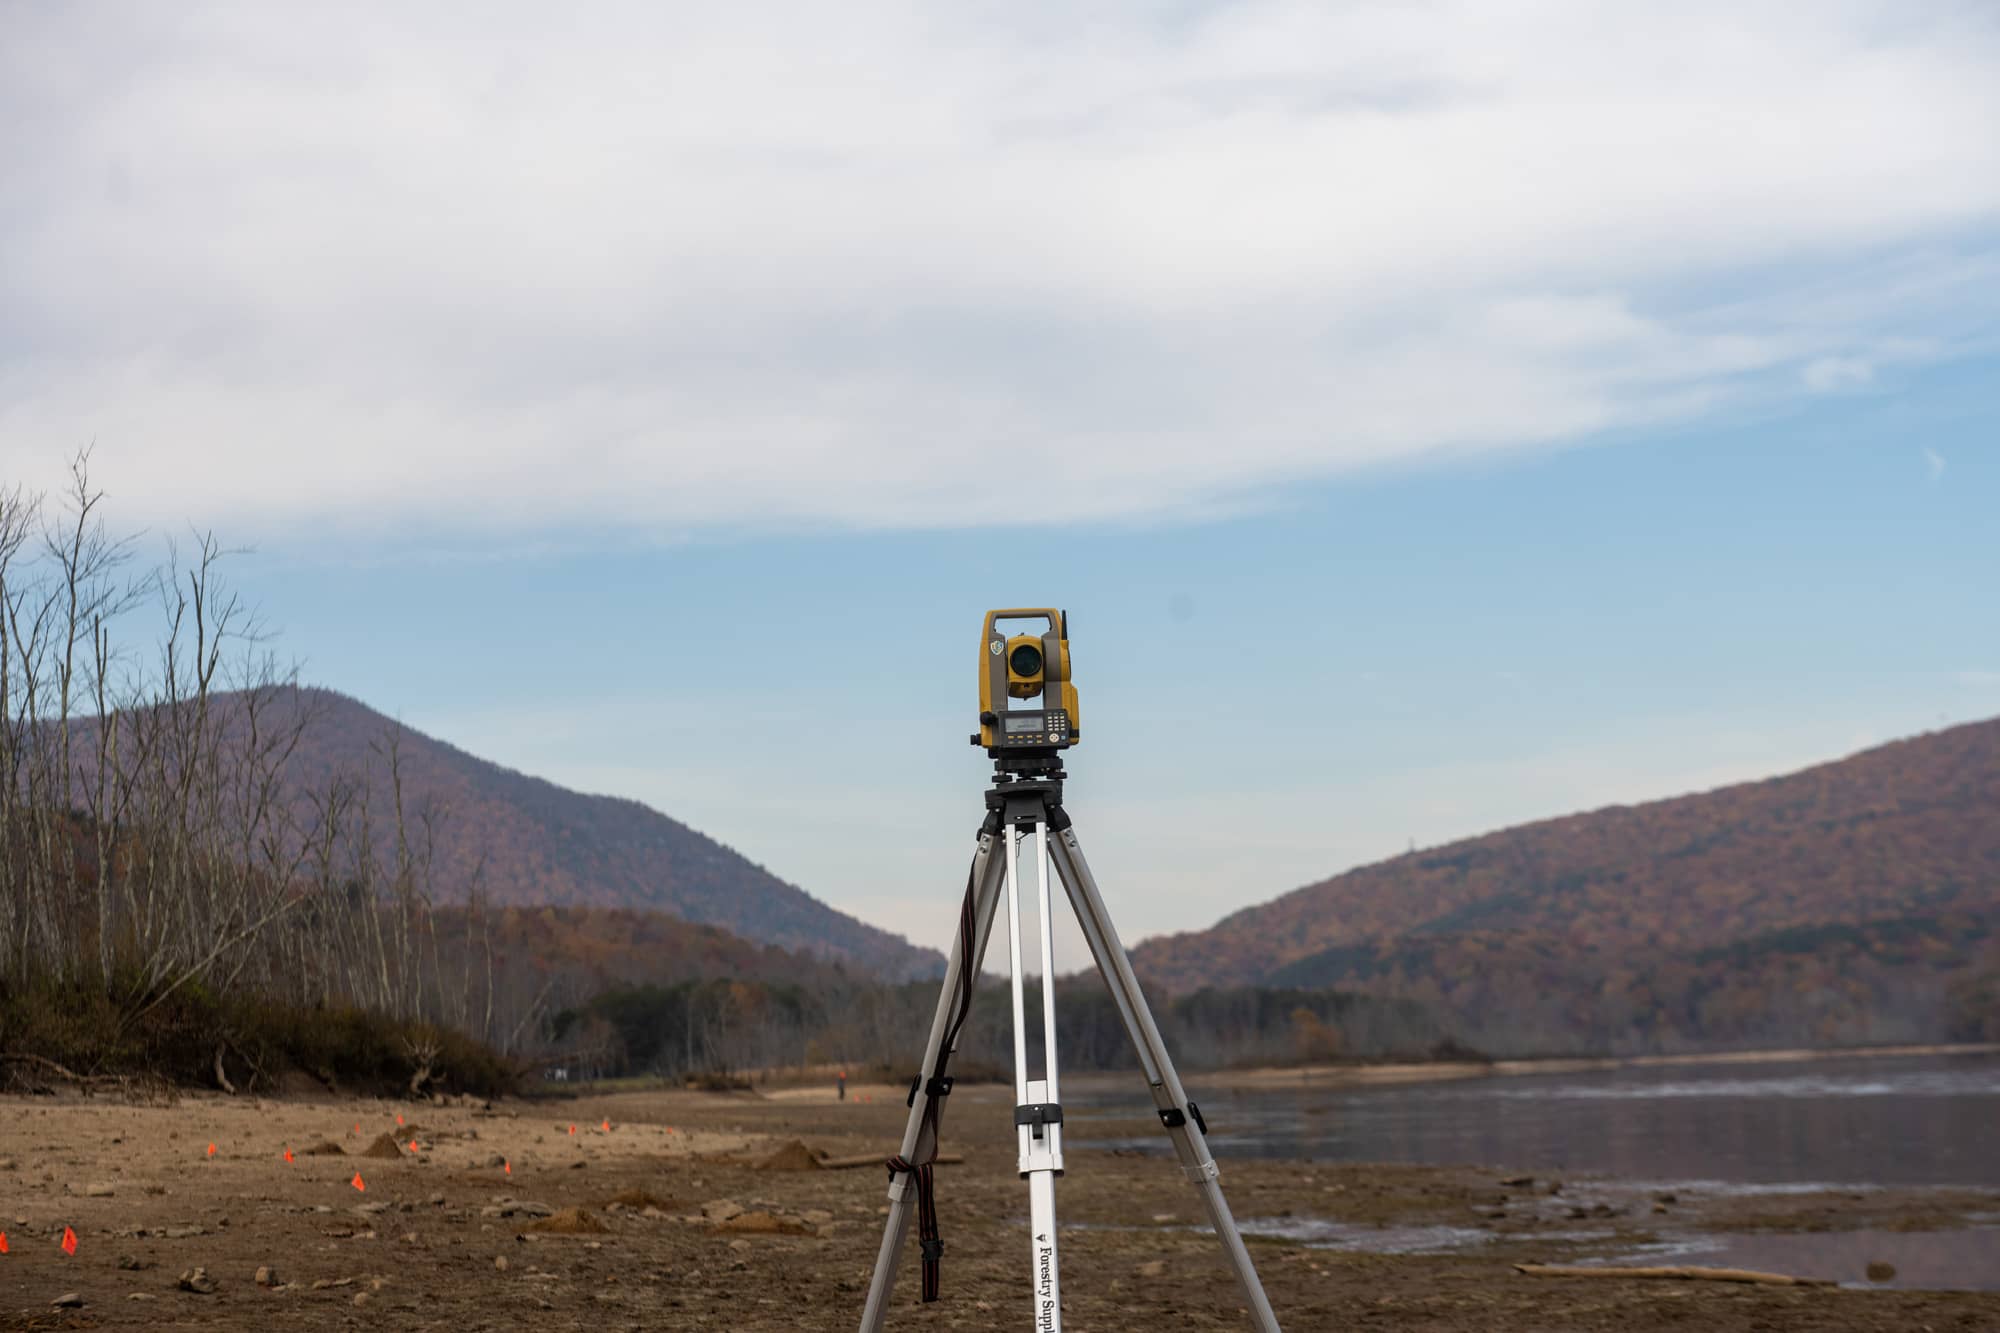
(500, 1262)
(267, 1276)
(69, 1300)
(197, 1281)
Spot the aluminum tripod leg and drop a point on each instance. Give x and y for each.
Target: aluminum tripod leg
(1168, 1094)
(987, 873)
(1037, 1122)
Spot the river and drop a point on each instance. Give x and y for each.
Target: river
(1908, 1120)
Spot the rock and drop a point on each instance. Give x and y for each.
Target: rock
(1152, 1268)
(324, 1148)
(198, 1281)
(739, 1244)
(69, 1300)
(570, 1222)
(267, 1276)
(816, 1216)
(500, 1263)
(576, 1165)
(132, 1263)
(99, 1190)
(1518, 1182)
(1880, 1270)
(721, 1210)
(184, 1233)
(385, 1147)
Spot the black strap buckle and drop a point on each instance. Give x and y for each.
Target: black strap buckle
(933, 1250)
(1173, 1117)
(1039, 1113)
(933, 1088)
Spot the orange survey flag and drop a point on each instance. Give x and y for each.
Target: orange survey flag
(69, 1241)
(413, 1145)
(399, 1120)
(572, 1131)
(356, 1182)
(508, 1167)
(607, 1124)
(211, 1150)
(3, 1242)
(288, 1154)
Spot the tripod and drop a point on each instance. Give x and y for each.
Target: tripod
(1025, 803)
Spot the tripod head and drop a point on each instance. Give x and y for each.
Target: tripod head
(1024, 666)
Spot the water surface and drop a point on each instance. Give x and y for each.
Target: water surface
(1914, 1120)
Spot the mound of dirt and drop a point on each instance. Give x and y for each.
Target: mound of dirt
(638, 1198)
(385, 1145)
(789, 1156)
(571, 1222)
(761, 1223)
(324, 1148)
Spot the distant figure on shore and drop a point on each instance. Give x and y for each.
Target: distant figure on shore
(840, 1083)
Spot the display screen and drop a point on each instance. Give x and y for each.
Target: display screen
(1025, 722)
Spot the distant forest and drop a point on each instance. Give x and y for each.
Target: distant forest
(1851, 903)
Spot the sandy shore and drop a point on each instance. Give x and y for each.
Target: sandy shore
(676, 1228)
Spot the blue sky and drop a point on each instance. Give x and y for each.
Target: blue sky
(1416, 654)
(1501, 412)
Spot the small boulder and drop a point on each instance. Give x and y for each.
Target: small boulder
(267, 1276)
(1880, 1270)
(69, 1300)
(570, 1222)
(197, 1281)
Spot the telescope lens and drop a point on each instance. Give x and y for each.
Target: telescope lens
(1025, 660)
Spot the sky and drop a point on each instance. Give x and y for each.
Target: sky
(1433, 415)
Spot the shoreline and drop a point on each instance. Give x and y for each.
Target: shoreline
(1451, 1070)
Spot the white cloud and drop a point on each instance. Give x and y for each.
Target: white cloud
(1829, 373)
(661, 267)
(1934, 462)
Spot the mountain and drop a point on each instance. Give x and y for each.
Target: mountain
(1855, 900)
(528, 842)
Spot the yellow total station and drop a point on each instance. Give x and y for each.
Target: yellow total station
(1026, 666)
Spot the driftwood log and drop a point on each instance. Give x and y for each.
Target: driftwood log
(877, 1159)
(1682, 1272)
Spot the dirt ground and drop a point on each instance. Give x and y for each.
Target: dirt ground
(675, 1228)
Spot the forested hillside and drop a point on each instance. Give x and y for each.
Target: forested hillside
(1853, 901)
(524, 841)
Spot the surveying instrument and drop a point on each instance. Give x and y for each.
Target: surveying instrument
(1025, 817)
